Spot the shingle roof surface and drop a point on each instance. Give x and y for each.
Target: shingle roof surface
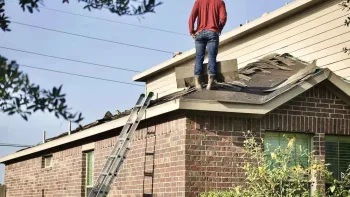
(252, 87)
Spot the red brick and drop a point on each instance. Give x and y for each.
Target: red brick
(298, 108)
(327, 110)
(323, 105)
(337, 116)
(313, 100)
(308, 104)
(328, 101)
(314, 109)
(341, 111)
(337, 106)
(296, 103)
(295, 112)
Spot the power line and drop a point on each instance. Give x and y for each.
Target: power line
(15, 145)
(111, 21)
(79, 75)
(68, 59)
(90, 37)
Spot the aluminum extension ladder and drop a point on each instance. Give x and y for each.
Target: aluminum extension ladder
(115, 160)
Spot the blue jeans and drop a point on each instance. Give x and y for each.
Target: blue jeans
(205, 39)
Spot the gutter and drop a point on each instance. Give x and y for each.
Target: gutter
(114, 124)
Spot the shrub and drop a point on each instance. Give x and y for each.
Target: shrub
(279, 173)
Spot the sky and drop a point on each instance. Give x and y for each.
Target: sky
(93, 97)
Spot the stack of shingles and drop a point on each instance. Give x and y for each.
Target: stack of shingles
(265, 65)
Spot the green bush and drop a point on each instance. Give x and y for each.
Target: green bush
(272, 174)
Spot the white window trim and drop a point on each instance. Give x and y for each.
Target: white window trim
(86, 173)
(45, 159)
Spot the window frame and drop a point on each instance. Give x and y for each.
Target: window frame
(44, 163)
(336, 139)
(88, 155)
(289, 135)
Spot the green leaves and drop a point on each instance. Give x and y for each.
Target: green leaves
(19, 96)
(119, 7)
(346, 6)
(4, 20)
(270, 173)
(123, 7)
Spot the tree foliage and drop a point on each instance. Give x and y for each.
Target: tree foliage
(19, 96)
(270, 173)
(346, 7)
(119, 7)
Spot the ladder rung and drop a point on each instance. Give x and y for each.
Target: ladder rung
(139, 105)
(112, 156)
(123, 139)
(151, 133)
(148, 173)
(150, 154)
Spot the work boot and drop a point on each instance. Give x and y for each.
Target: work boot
(210, 81)
(198, 83)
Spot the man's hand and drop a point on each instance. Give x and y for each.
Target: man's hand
(194, 35)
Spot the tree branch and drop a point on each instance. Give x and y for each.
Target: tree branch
(19, 96)
(119, 7)
(346, 6)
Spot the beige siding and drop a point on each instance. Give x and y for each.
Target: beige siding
(315, 34)
(318, 33)
(163, 84)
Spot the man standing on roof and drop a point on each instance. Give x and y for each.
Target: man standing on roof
(211, 18)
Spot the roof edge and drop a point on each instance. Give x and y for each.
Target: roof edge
(229, 36)
(268, 105)
(151, 112)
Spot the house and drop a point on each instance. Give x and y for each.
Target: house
(196, 137)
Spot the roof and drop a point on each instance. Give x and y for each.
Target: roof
(253, 26)
(262, 86)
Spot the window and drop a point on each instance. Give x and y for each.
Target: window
(89, 177)
(337, 154)
(47, 161)
(275, 140)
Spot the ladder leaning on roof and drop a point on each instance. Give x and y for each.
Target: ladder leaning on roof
(115, 160)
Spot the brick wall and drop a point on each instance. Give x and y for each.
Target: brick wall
(28, 178)
(169, 161)
(194, 153)
(67, 176)
(214, 142)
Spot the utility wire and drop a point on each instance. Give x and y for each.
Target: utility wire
(15, 145)
(111, 21)
(79, 75)
(68, 59)
(90, 37)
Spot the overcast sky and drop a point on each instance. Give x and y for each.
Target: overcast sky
(93, 97)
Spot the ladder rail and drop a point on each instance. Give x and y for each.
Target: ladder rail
(118, 154)
(114, 151)
(114, 167)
